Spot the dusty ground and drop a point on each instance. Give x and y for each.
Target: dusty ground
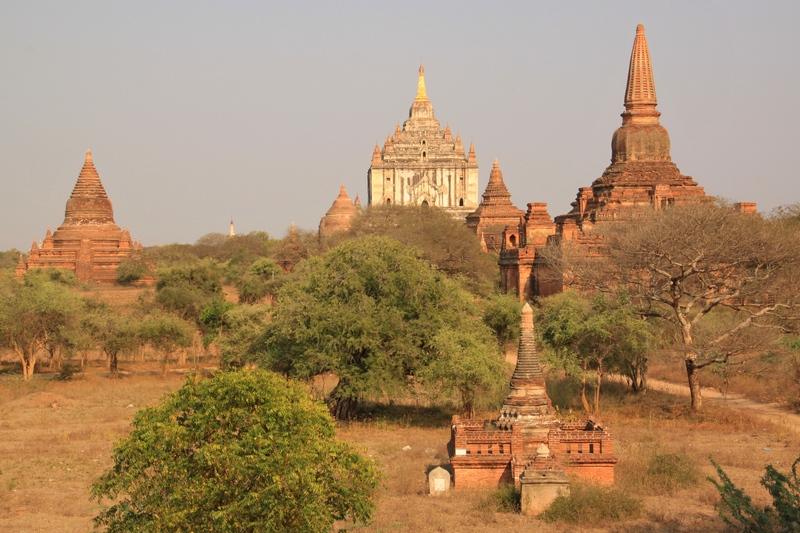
(56, 437)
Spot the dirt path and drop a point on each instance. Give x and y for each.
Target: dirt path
(771, 412)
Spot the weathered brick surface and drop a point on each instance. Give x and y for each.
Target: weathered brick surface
(88, 242)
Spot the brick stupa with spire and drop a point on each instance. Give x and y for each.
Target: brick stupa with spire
(88, 242)
(421, 164)
(527, 437)
(641, 173)
(495, 211)
(640, 178)
(340, 216)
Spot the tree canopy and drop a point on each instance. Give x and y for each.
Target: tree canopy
(34, 313)
(443, 241)
(240, 452)
(372, 312)
(597, 335)
(687, 261)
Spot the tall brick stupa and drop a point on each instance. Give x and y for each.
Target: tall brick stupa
(640, 178)
(527, 439)
(641, 172)
(88, 242)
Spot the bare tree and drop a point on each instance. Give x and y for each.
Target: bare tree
(712, 271)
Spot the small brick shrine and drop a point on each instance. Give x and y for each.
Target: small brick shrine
(527, 436)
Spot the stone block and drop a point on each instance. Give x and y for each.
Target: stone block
(438, 481)
(540, 487)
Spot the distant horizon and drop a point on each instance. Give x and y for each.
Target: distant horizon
(196, 113)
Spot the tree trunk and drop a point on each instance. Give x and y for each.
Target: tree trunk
(692, 372)
(597, 390)
(585, 402)
(638, 374)
(341, 408)
(112, 365)
(469, 409)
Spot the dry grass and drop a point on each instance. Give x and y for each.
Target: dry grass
(50, 455)
(767, 377)
(56, 438)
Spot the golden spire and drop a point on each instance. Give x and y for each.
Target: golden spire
(422, 96)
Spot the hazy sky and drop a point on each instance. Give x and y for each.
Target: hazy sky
(199, 111)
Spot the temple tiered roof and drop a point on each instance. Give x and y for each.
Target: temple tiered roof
(495, 211)
(421, 164)
(88, 242)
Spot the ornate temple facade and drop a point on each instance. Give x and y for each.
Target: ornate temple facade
(640, 179)
(422, 164)
(527, 440)
(88, 242)
(495, 212)
(340, 216)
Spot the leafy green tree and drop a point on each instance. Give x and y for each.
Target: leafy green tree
(737, 510)
(114, 333)
(263, 277)
(368, 311)
(583, 336)
(9, 259)
(241, 328)
(34, 313)
(132, 268)
(688, 262)
(502, 313)
(213, 317)
(165, 333)
(465, 361)
(444, 241)
(187, 290)
(240, 452)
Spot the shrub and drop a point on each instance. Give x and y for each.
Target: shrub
(589, 504)
(240, 452)
(659, 472)
(737, 510)
(505, 499)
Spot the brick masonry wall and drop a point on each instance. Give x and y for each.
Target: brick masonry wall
(475, 478)
(595, 473)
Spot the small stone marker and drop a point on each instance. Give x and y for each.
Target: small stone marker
(438, 481)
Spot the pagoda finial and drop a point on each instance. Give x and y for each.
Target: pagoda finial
(471, 157)
(88, 156)
(640, 94)
(422, 95)
(496, 175)
(376, 155)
